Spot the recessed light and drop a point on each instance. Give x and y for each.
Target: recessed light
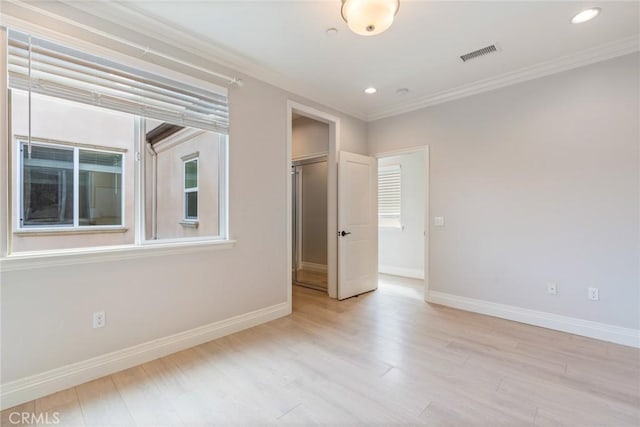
(586, 15)
(402, 91)
(370, 90)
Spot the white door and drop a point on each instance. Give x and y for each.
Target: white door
(357, 225)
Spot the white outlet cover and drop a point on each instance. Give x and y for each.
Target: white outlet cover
(552, 288)
(99, 319)
(438, 221)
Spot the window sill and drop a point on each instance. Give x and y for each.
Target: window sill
(189, 224)
(70, 231)
(31, 260)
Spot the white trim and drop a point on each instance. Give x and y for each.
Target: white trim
(413, 273)
(311, 266)
(135, 20)
(287, 166)
(572, 325)
(45, 383)
(30, 260)
(585, 57)
(6, 154)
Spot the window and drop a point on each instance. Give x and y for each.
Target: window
(191, 189)
(81, 124)
(389, 196)
(65, 186)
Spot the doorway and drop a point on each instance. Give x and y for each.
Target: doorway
(350, 270)
(310, 141)
(296, 110)
(403, 226)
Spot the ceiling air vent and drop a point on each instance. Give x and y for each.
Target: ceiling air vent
(480, 52)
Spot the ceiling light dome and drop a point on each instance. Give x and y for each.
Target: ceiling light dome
(369, 17)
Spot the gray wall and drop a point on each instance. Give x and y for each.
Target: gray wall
(314, 213)
(309, 138)
(50, 308)
(401, 250)
(537, 182)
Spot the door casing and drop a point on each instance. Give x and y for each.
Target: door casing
(332, 193)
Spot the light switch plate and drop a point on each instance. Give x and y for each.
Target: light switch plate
(438, 221)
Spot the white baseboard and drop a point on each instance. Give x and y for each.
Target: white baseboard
(586, 328)
(414, 273)
(42, 384)
(320, 268)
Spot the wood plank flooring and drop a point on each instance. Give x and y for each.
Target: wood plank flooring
(314, 278)
(384, 358)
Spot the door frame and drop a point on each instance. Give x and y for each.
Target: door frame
(427, 231)
(332, 193)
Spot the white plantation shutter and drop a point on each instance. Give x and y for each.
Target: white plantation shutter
(389, 195)
(62, 72)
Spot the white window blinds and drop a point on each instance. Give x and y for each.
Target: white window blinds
(389, 195)
(51, 69)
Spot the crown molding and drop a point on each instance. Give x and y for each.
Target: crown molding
(599, 53)
(126, 15)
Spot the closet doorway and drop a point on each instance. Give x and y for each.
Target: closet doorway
(309, 214)
(309, 211)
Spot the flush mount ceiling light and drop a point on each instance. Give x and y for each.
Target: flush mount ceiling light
(369, 17)
(586, 15)
(370, 90)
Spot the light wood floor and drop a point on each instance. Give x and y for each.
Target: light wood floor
(385, 358)
(314, 278)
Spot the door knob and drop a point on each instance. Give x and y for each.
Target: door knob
(344, 233)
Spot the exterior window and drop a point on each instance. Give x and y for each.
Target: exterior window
(74, 116)
(65, 186)
(191, 189)
(389, 196)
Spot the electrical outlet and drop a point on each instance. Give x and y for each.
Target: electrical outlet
(99, 319)
(594, 295)
(438, 221)
(552, 288)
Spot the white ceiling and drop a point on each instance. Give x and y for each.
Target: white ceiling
(286, 40)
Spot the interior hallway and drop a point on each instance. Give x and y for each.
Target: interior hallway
(385, 357)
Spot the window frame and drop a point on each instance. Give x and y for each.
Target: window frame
(21, 142)
(186, 190)
(10, 260)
